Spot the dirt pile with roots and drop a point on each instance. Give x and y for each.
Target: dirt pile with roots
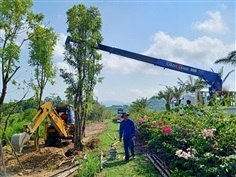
(48, 160)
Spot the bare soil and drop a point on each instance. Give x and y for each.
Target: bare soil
(48, 160)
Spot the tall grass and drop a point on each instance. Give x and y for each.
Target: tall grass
(139, 167)
(89, 165)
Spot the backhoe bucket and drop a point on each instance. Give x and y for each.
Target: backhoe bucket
(18, 141)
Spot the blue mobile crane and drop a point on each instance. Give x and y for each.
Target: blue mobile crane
(212, 79)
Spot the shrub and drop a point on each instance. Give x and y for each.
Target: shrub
(196, 141)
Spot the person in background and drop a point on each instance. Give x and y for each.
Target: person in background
(127, 131)
(64, 117)
(188, 102)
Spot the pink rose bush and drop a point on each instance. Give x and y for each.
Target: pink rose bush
(189, 153)
(166, 130)
(184, 142)
(208, 132)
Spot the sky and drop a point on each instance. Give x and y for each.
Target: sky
(193, 33)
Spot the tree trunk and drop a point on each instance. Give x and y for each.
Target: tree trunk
(78, 144)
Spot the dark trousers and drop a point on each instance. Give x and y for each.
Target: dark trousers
(129, 144)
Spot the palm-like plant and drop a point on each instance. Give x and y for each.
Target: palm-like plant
(176, 93)
(139, 105)
(221, 72)
(191, 85)
(229, 59)
(166, 95)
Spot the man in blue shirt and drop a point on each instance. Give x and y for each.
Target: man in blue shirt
(127, 131)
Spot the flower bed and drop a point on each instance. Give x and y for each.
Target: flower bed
(192, 141)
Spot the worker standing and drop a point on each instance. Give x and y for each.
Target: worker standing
(127, 131)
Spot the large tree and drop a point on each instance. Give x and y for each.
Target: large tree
(84, 25)
(42, 43)
(16, 19)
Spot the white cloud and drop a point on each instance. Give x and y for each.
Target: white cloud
(122, 65)
(202, 51)
(214, 24)
(135, 91)
(59, 48)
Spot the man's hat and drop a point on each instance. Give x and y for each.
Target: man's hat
(125, 114)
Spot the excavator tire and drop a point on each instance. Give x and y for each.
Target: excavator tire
(52, 140)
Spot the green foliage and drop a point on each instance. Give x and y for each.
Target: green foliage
(42, 43)
(114, 108)
(138, 167)
(98, 112)
(16, 17)
(157, 104)
(28, 114)
(16, 127)
(55, 100)
(89, 165)
(139, 105)
(18, 107)
(192, 141)
(229, 59)
(84, 26)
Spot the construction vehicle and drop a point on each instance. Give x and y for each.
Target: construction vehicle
(212, 79)
(119, 115)
(59, 128)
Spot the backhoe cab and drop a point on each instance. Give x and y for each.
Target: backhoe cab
(60, 127)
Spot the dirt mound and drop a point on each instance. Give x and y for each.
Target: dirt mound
(48, 160)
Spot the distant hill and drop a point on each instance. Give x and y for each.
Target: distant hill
(155, 104)
(114, 108)
(109, 103)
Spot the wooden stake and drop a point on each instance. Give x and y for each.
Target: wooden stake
(110, 136)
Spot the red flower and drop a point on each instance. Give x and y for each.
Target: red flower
(141, 120)
(160, 123)
(166, 130)
(187, 133)
(213, 146)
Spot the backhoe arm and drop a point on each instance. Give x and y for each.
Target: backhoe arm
(58, 123)
(18, 140)
(42, 113)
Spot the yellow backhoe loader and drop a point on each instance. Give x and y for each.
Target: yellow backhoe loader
(61, 126)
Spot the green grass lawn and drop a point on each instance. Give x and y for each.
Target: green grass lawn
(139, 167)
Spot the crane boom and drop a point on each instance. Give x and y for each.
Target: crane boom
(211, 78)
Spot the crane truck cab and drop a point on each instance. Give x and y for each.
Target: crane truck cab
(54, 132)
(119, 115)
